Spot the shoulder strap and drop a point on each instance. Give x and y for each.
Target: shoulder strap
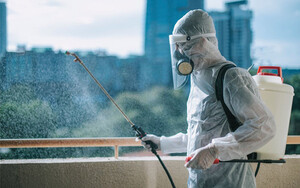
(233, 122)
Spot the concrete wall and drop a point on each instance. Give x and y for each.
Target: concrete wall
(280, 175)
(143, 172)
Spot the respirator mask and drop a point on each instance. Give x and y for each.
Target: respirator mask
(182, 65)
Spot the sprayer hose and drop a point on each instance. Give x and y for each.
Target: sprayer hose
(165, 168)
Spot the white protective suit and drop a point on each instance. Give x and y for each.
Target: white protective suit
(207, 122)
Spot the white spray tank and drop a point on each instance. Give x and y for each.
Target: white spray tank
(278, 97)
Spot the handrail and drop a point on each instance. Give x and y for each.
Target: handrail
(68, 142)
(71, 142)
(87, 142)
(293, 140)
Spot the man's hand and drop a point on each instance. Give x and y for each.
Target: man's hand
(153, 138)
(203, 158)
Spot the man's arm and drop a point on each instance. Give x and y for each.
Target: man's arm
(242, 97)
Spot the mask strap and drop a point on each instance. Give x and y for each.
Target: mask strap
(184, 38)
(203, 35)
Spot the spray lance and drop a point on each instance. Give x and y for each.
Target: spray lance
(140, 133)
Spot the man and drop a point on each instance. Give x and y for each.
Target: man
(208, 135)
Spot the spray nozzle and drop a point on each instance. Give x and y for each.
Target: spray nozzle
(73, 54)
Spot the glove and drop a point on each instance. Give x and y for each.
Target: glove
(203, 158)
(153, 138)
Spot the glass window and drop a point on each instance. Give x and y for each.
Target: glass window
(44, 94)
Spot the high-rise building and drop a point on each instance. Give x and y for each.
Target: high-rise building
(233, 27)
(3, 35)
(161, 16)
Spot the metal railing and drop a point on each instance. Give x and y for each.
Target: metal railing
(115, 142)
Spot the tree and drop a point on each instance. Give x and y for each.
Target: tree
(33, 119)
(295, 82)
(159, 110)
(294, 128)
(22, 115)
(295, 115)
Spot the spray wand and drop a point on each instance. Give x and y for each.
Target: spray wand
(140, 133)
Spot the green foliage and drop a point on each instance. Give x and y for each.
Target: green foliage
(69, 114)
(294, 128)
(295, 82)
(26, 114)
(61, 97)
(43, 110)
(158, 111)
(22, 115)
(33, 119)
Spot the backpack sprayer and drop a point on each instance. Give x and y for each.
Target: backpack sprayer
(140, 133)
(278, 98)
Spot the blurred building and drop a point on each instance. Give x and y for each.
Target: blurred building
(42, 65)
(130, 73)
(3, 31)
(37, 67)
(161, 17)
(46, 70)
(233, 27)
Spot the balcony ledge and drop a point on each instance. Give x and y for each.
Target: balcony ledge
(125, 172)
(86, 160)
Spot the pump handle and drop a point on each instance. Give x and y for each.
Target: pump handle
(279, 71)
(190, 157)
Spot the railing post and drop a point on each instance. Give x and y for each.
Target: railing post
(116, 151)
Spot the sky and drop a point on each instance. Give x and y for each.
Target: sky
(117, 26)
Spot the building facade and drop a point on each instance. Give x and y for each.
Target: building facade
(3, 30)
(233, 27)
(161, 17)
(43, 66)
